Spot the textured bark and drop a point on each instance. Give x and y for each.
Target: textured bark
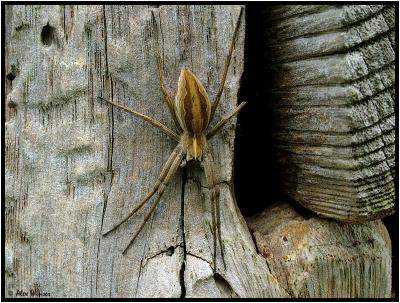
(76, 166)
(314, 257)
(334, 104)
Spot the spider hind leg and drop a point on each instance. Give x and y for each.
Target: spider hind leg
(209, 170)
(168, 171)
(177, 158)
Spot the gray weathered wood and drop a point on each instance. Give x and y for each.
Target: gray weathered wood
(333, 100)
(75, 166)
(321, 258)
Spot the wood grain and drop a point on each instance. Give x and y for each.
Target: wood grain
(333, 100)
(314, 257)
(75, 166)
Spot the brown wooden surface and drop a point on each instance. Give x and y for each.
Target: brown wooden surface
(75, 166)
(314, 257)
(333, 99)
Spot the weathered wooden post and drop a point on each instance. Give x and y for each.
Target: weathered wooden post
(333, 99)
(75, 166)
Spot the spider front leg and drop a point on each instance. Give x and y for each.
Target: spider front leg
(224, 120)
(168, 171)
(160, 69)
(226, 67)
(152, 121)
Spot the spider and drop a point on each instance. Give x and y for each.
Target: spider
(192, 114)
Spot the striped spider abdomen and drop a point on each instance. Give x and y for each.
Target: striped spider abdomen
(193, 111)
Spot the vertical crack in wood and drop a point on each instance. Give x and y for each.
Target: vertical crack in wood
(182, 224)
(109, 176)
(111, 275)
(105, 38)
(139, 275)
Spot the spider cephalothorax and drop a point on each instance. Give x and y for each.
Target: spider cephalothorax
(192, 113)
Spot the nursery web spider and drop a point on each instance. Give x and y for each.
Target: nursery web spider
(192, 113)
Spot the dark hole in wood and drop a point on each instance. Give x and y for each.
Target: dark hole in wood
(223, 284)
(170, 251)
(10, 76)
(256, 175)
(13, 73)
(218, 277)
(12, 104)
(47, 35)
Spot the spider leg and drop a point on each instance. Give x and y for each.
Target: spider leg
(164, 172)
(209, 170)
(163, 185)
(157, 54)
(224, 120)
(152, 121)
(227, 63)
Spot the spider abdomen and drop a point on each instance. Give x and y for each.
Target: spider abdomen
(193, 107)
